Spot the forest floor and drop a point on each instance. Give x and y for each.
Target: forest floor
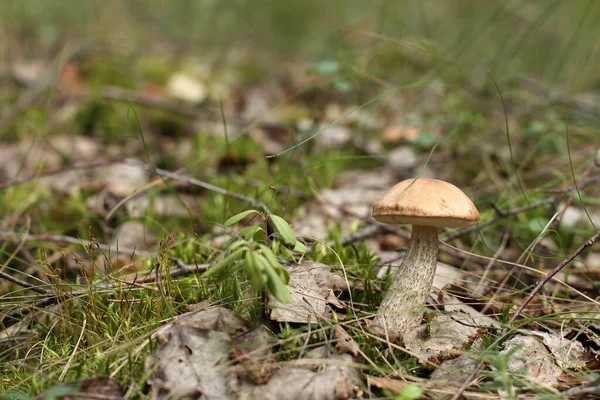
(185, 200)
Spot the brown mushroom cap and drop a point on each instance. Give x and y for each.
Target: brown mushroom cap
(428, 202)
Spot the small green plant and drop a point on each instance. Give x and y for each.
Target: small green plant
(259, 254)
(410, 392)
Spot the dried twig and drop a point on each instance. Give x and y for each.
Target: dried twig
(24, 284)
(28, 237)
(61, 170)
(518, 210)
(536, 289)
(196, 182)
(161, 172)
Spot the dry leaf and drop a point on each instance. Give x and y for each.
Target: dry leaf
(528, 354)
(331, 381)
(333, 137)
(345, 344)
(311, 286)
(133, 235)
(193, 354)
(448, 334)
(568, 354)
(391, 385)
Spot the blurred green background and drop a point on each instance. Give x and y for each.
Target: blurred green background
(555, 40)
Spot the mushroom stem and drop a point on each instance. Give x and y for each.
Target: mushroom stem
(403, 305)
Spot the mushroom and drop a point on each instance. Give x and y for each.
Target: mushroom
(427, 204)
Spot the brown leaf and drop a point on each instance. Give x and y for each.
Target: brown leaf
(391, 385)
(345, 343)
(311, 287)
(193, 355)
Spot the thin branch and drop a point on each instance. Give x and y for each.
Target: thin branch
(24, 284)
(161, 172)
(57, 171)
(196, 182)
(518, 210)
(28, 237)
(536, 289)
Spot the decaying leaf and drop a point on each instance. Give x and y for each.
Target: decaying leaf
(351, 200)
(311, 286)
(391, 385)
(529, 357)
(193, 356)
(345, 344)
(568, 354)
(449, 333)
(134, 235)
(335, 380)
(454, 371)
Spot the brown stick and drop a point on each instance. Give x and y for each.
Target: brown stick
(517, 210)
(24, 284)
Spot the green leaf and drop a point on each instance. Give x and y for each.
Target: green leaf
(299, 247)
(238, 217)
(410, 392)
(284, 229)
(249, 233)
(221, 266)
(277, 286)
(275, 264)
(283, 274)
(255, 270)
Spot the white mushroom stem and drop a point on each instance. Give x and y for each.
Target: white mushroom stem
(404, 303)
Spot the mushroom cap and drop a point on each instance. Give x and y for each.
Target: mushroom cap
(428, 202)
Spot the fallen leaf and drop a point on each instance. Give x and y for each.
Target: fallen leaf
(333, 137)
(391, 385)
(310, 285)
(448, 334)
(345, 344)
(527, 354)
(331, 381)
(568, 354)
(192, 356)
(133, 235)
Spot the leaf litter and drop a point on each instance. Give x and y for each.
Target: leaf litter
(215, 354)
